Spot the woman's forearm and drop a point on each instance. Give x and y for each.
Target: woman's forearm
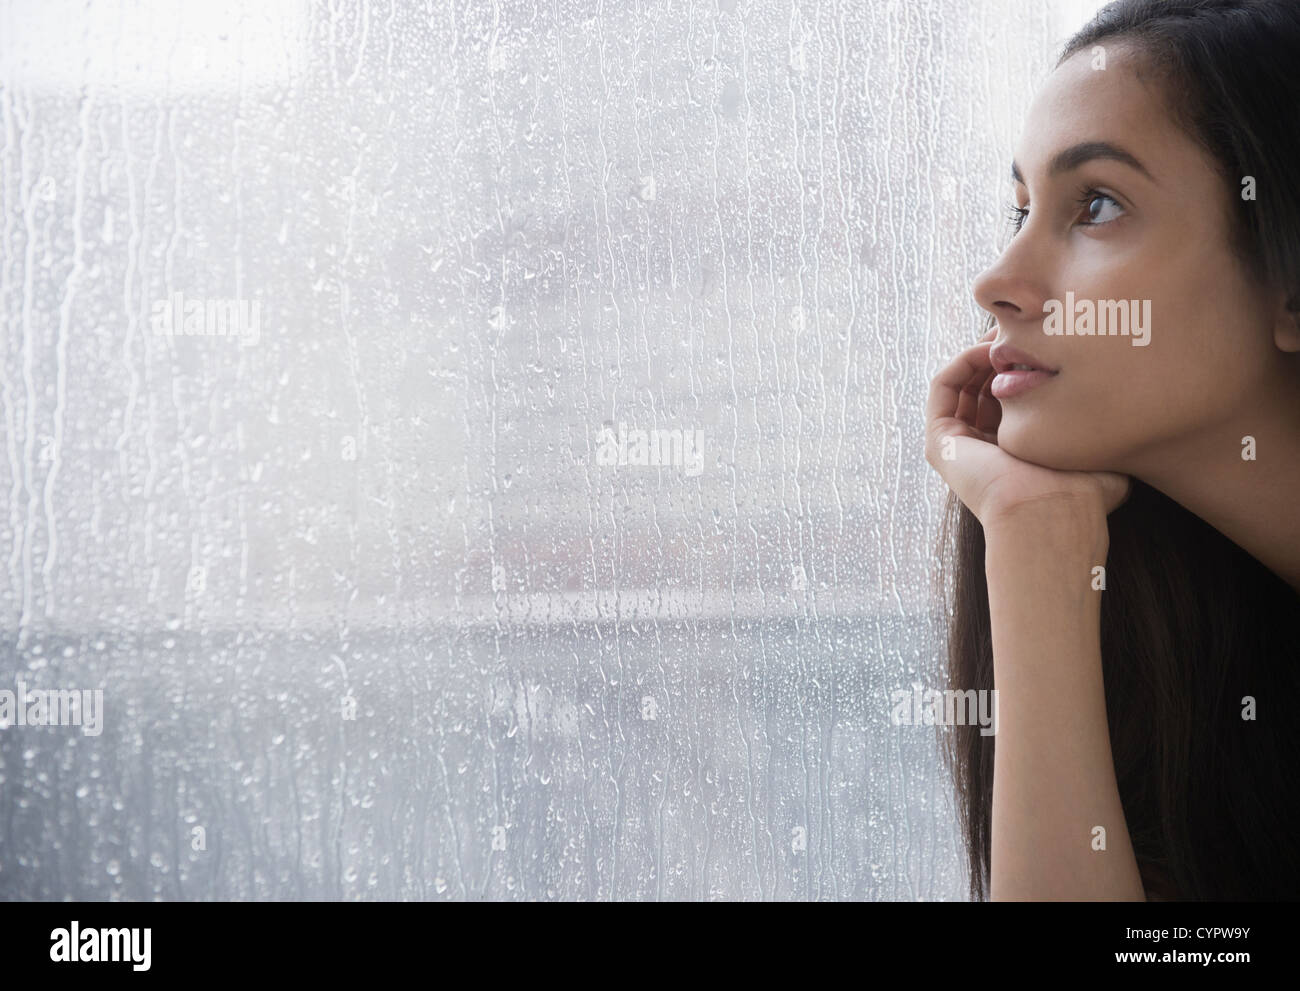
(1053, 773)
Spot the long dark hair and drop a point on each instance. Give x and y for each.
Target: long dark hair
(1191, 625)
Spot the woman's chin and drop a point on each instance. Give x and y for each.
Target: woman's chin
(1039, 444)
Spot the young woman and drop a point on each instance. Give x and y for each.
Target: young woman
(1124, 529)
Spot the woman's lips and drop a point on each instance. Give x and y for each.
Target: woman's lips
(1016, 381)
(1017, 371)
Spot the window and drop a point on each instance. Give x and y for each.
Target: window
(476, 449)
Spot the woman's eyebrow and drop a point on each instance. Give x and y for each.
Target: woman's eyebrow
(1085, 151)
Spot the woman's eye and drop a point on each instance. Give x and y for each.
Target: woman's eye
(1101, 209)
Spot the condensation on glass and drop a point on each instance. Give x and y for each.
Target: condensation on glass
(475, 449)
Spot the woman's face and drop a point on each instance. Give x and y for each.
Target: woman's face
(1147, 221)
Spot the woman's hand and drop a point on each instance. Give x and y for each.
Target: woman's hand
(1045, 531)
(962, 420)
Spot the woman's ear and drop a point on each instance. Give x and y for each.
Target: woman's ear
(1286, 331)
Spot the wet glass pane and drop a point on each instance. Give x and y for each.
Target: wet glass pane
(474, 450)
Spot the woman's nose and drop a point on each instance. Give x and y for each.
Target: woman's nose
(1011, 285)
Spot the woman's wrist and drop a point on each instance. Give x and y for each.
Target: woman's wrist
(1048, 552)
(1057, 525)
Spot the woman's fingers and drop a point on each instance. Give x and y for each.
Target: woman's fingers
(947, 386)
(989, 414)
(968, 400)
(953, 403)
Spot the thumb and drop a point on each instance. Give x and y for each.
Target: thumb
(1115, 489)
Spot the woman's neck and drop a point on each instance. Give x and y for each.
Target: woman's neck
(1243, 478)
